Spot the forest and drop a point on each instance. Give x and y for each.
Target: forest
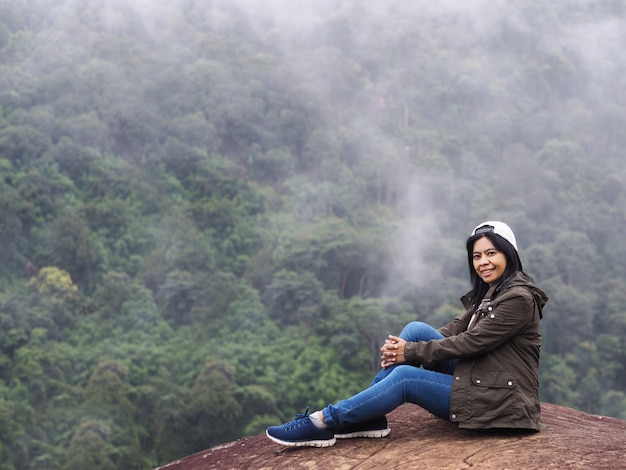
(212, 212)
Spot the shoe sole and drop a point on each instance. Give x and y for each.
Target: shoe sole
(371, 433)
(318, 443)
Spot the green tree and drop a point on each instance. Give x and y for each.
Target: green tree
(557, 381)
(212, 400)
(68, 242)
(294, 299)
(88, 448)
(614, 404)
(23, 145)
(10, 226)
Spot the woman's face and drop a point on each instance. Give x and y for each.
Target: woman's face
(489, 263)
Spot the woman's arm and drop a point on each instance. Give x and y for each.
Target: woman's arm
(508, 318)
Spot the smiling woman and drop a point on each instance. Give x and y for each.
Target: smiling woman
(480, 370)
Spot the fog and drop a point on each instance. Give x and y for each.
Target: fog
(509, 77)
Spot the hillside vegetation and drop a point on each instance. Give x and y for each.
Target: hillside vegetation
(213, 212)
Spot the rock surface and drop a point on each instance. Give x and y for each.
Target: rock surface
(573, 440)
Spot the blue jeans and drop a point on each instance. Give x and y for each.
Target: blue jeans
(398, 384)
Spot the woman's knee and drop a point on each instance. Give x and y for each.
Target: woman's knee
(404, 371)
(412, 328)
(419, 331)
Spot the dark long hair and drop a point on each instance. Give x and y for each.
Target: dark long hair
(513, 264)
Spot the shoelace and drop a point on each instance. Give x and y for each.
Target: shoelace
(298, 420)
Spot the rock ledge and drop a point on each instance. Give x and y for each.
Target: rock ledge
(573, 440)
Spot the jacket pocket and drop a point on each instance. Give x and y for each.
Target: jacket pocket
(493, 395)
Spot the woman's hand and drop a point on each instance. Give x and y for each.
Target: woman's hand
(392, 351)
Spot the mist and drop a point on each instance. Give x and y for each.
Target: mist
(439, 136)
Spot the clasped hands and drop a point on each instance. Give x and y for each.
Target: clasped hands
(392, 351)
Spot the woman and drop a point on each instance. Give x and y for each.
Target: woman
(480, 370)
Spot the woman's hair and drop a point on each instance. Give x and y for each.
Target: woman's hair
(513, 263)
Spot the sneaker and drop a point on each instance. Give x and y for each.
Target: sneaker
(376, 427)
(301, 432)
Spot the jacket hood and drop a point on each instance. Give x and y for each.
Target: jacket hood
(522, 279)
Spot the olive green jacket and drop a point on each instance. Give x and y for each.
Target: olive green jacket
(495, 382)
